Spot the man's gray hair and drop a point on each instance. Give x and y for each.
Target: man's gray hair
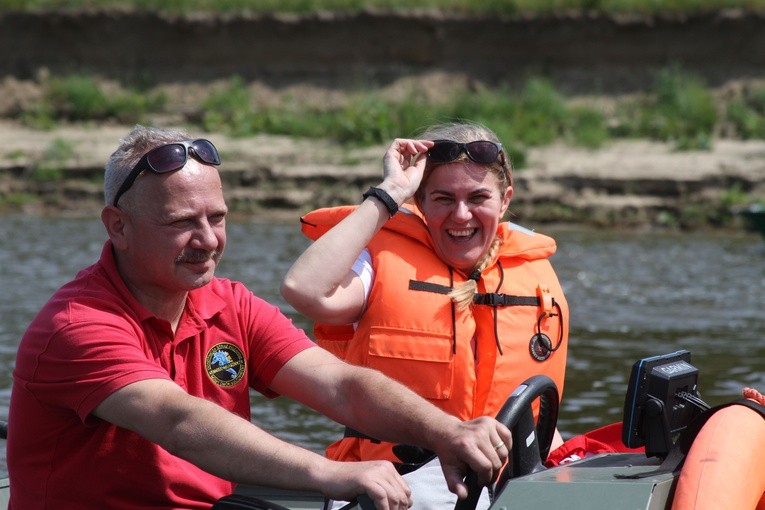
(138, 142)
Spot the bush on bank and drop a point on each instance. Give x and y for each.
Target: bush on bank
(678, 109)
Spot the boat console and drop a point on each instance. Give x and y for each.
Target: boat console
(662, 399)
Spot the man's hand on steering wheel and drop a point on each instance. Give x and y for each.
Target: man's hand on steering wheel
(481, 445)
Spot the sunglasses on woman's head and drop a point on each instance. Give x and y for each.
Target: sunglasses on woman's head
(169, 158)
(484, 152)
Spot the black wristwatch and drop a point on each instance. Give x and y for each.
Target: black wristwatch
(382, 196)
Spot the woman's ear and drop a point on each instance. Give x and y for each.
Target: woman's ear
(506, 201)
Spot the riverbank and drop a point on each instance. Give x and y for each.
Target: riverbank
(630, 184)
(322, 58)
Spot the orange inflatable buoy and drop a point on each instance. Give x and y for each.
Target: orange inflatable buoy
(724, 466)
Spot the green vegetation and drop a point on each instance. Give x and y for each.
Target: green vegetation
(678, 109)
(479, 7)
(537, 115)
(79, 98)
(55, 158)
(735, 196)
(14, 201)
(747, 113)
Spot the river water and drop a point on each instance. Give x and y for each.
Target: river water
(631, 294)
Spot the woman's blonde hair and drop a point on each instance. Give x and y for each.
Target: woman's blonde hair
(462, 295)
(465, 132)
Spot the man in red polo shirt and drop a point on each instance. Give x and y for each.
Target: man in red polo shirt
(131, 385)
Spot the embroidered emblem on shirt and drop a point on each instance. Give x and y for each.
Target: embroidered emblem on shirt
(225, 364)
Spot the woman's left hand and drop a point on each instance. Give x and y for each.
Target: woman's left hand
(403, 167)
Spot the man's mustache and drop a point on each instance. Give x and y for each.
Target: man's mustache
(198, 256)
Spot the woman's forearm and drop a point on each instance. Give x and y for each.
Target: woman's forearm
(319, 283)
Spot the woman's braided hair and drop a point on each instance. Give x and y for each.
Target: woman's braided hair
(464, 132)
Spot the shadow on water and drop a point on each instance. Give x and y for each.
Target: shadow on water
(631, 294)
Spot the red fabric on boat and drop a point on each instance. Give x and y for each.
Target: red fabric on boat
(607, 439)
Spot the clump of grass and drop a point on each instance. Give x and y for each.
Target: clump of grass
(734, 196)
(537, 115)
(679, 109)
(79, 98)
(17, 200)
(229, 110)
(747, 113)
(367, 119)
(51, 166)
(588, 127)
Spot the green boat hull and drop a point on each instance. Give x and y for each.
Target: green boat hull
(594, 483)
(587, 484)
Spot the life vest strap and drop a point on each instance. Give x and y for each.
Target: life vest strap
(495, 299)
(429, 287)
(489, 298)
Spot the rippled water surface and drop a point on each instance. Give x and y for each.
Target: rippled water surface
(631, 295)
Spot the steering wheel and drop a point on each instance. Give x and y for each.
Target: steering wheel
(531, 442)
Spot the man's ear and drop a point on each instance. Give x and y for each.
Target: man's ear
(116, 222)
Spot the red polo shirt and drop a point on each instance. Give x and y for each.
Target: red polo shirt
(93, 338)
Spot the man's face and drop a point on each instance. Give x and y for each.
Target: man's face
(177, 229)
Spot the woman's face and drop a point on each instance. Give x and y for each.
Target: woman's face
(462, 205)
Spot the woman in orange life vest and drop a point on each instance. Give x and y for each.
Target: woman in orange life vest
(440, 293)
(375, 283)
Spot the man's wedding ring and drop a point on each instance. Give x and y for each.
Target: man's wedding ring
(500, 445)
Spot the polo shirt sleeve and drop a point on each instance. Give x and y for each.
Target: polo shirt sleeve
(273, 340)
(86, 360)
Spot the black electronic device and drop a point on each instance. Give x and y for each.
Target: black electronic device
(662, 399)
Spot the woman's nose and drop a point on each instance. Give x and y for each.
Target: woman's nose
(461, 211)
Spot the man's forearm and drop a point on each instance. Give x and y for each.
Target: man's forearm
(400, 416)
(209, 436)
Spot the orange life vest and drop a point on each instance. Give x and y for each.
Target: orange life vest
(465, 362)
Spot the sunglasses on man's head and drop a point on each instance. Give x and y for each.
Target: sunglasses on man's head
(481, 151)
(169, 158)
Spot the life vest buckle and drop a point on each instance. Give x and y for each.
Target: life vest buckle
(492, 299)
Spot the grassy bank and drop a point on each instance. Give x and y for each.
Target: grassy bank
(678, 109)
